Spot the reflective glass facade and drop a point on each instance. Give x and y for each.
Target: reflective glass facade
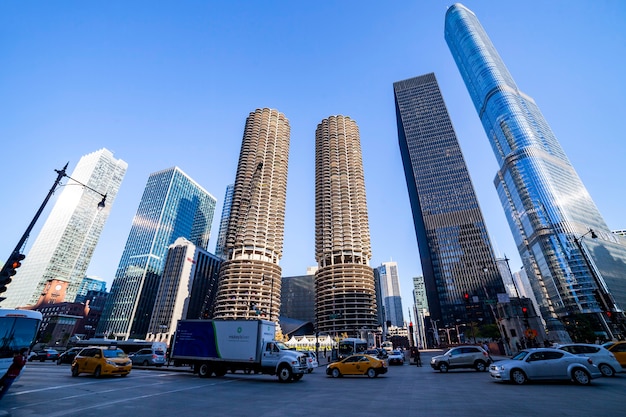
(64, 247)
(172, 206)
(220, 246)
(387, 275)
(547, 206)
(454, 246)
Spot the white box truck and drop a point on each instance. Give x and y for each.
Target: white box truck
(214, 347)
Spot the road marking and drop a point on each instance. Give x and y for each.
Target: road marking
(133, 399)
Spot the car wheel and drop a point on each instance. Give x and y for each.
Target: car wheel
(284, 374)
(443, 367)
(335, 373)
(518, 376)
(75, 370)
(144, 363)
(581, 377)
(98, 372)
(126, 374)
(371, 373)
(481, 366)
(606, 370)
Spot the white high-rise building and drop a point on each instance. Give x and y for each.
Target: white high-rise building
(64, 247)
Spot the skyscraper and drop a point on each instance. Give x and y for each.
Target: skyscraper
(387, 274)
(89, 284)
(188, 284)
(64, 247)
(250, 277)
(455, 251)
(550, 212)
(345, 298)
(172, 206)
(220, 246)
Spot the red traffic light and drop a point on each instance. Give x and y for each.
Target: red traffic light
(466, 296)
(609, 314)
(525, 311)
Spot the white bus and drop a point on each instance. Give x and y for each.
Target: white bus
(18, 329)
(350, 346)
(128, 346)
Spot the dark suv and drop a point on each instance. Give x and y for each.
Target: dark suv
(462, 357)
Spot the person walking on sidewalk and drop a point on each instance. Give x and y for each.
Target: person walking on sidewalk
(19, 360)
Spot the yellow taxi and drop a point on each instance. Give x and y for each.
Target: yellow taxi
(99, 361)
(619, 350)
(359, 364)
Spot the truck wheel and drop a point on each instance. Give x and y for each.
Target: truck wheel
(204, 371)
(284, 374)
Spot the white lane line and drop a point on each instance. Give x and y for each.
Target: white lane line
(133, 399)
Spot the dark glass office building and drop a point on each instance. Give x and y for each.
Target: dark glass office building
(455, 251)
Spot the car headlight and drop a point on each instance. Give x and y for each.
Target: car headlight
(111, 363)
(497, 367)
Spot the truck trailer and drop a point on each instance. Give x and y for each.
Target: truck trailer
(214, 347)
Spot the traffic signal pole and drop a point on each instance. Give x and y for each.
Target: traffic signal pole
(16, 252)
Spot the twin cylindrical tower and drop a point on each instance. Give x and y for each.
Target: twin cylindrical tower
(250, 278)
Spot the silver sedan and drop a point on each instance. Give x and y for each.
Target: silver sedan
(545, 364)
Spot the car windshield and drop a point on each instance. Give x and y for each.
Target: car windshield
(520, 356)
(114, 353)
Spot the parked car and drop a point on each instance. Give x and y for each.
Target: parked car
(545, 364)
(68, 356)
(358, 364)
(396, 358)
(44, 355)
(101, 361)
(148, 357)
(311, 360)
(619, 350)
(601, 357)
(462, 357)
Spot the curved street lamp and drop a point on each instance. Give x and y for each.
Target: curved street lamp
(5, 276)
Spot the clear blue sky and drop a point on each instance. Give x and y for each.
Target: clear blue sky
(171, 83)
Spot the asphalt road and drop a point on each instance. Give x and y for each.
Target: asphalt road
(46, 389)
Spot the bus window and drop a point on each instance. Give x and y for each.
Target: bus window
(350, 346)
(18, 329)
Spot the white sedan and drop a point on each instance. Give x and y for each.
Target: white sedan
(396, 358)
(546, 364)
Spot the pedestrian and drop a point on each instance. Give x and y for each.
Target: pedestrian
(19, 360)
(418, 358)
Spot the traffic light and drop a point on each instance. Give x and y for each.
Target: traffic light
(466, 298)
(609, 314)
(525, 312)
(9, 269)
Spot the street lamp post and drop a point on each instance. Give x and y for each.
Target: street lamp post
(60, 175)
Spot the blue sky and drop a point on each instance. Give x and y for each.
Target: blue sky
(171, 83)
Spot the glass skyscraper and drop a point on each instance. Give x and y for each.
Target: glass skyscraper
(548, 208)
(455, 250)
(220, 246)
(387, 275)
(172, 206)
(66, 242)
